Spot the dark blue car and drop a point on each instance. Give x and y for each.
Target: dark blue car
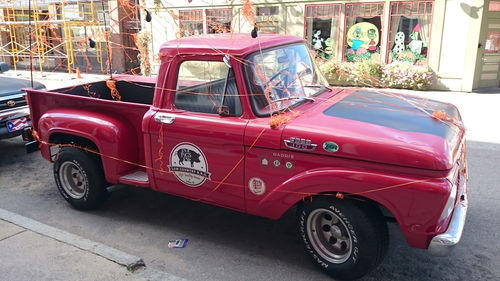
(14, 111)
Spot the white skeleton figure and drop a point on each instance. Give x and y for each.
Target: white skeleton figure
(318, 42)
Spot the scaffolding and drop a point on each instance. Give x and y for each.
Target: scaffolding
(60, 31)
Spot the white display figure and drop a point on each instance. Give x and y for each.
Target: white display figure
(318, 42)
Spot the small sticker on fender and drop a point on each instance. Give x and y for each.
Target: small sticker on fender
(257, 186)
(265, 162)
(330, 146)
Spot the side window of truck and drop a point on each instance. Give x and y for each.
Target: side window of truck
(207, 87)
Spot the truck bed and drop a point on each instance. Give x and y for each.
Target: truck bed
(94, 99)
(134, 92)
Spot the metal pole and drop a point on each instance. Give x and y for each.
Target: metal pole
(110, 67)
(29, 33)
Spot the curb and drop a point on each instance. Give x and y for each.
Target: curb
(131, 262)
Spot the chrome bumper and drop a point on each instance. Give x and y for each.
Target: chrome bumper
(13, 113)
(442, 244)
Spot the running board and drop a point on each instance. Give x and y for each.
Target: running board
(137, 178)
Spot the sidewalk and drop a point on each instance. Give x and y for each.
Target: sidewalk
(30, 250)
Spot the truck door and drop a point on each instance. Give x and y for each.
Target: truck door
(197, 144)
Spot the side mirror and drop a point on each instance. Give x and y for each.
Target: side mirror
(223, 110)
(3, 66)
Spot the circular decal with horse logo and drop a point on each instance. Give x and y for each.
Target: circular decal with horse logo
(189, 165)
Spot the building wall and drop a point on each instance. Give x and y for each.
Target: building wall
(453, 38)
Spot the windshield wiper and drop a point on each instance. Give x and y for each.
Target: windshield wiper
(294, 98)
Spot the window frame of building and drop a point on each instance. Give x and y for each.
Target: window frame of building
(268, 23)
(404, 13)
(218, 16)
(276, 8)
(189, 17)
(379, 12)
(310, 14)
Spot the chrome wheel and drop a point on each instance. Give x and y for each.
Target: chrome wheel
(73, 180)
(329, 236)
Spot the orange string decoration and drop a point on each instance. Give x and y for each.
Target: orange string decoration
(443, 116)
(86, 87)
(160, 151)
(248, 11)
(111, 84)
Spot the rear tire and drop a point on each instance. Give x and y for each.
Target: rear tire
(346, 238)
(80, 179)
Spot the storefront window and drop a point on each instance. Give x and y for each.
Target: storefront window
(363, 28)
(191, 22)
(219, 20)
(409, 34)
(322, 28)
(267, 19)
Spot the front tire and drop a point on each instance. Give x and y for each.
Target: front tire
(80, 179)
(346, 238)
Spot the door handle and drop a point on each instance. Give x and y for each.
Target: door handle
(165, 118)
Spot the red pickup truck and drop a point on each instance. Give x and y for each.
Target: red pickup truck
(251, 125)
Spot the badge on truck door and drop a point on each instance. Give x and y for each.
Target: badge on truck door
(189, 165)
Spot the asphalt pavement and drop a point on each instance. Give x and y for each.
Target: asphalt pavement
(43, 238)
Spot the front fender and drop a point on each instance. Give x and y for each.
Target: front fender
(416, 203)
(114, 137)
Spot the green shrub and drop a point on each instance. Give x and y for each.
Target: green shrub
(364, 73)
(405, 75)
(367, 73)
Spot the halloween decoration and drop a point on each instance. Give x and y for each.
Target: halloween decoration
(399, 44)
(363, 34)
(317, 40)
(415, 45)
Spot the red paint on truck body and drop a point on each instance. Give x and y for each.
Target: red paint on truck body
(371, 157)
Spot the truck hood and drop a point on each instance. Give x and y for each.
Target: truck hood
(379, 127)
(11, 86)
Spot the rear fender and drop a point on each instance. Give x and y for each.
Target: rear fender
(115, 138)
(415, 203)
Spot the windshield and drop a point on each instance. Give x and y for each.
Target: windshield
(282, 77)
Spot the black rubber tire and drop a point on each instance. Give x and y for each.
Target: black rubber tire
(367, 228)
(94, 183)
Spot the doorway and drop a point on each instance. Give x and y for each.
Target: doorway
(488, 75)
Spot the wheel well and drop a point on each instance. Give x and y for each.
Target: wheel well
(386, 213)
(81, 142)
